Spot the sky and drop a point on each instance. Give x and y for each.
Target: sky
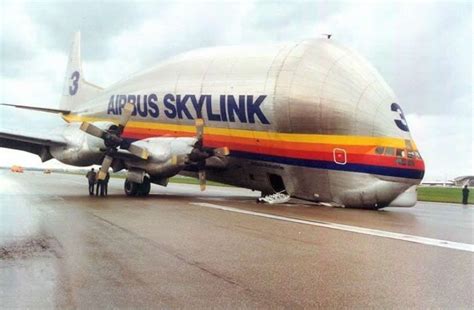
(423, 49)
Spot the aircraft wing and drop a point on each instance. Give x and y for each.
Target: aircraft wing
(30, 131)
(38, 138)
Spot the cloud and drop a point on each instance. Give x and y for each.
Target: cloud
(18, 38)
(97, 20)
(41, 85)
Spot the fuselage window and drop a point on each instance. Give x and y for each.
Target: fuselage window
(390, 151)
(411, 154)
(379, 150)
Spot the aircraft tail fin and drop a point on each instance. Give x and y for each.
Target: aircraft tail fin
(76, 89)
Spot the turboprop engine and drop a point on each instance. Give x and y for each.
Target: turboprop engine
(167, 156)
(82, 149)
(113, 140)
(148, 160)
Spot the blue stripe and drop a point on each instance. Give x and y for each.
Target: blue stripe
(330, 165)
(371, 169)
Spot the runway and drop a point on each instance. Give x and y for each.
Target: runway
(180, 248)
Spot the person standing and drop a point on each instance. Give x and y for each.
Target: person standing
(100, 187)
(91, 178)
(106, 183)
(465, 195)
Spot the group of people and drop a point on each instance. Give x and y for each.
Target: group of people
(102, 185)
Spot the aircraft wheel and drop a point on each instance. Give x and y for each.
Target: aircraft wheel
(144, 188)
(131, 188)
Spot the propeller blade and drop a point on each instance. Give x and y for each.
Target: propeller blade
(126, 115)
(138, 151)
(199, 128)
(105, 167)
(221, 151)
(202, 179)
(92, 130)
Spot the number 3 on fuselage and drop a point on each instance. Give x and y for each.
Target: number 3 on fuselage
(402, 122)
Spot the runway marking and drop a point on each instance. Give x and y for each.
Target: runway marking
(355, 229)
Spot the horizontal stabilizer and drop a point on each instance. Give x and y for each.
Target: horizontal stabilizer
(48, 110)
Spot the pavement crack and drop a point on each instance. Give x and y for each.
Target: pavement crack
(178, 256)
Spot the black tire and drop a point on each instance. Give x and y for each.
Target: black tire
(130, 188)
(144, 188)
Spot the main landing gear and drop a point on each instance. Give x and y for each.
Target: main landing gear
(137, 189)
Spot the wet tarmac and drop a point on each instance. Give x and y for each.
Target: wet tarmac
(180, 248)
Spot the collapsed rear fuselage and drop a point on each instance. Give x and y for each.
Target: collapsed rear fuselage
(312, 118)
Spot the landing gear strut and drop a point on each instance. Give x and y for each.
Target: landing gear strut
(137, 189)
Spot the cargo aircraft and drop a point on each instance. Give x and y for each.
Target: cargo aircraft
(311, 119)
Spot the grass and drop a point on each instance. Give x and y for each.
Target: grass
(443, 194)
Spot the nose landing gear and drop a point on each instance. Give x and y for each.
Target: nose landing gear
(133, 189)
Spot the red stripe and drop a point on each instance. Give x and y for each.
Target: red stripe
(298, 150)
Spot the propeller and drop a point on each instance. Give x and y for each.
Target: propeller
(113, 139)
(105, 167)
(199, 154)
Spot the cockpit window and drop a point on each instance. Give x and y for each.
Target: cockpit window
(379, 150)
(389, 151)
(400, 153)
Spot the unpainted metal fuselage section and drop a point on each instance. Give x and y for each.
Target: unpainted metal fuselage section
(312, 118)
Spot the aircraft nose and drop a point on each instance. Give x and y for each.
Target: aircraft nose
(419, 165)
(376, 194)
(406, 199)
(396, 194)
(422, 170)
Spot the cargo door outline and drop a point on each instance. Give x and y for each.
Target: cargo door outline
(339, 156)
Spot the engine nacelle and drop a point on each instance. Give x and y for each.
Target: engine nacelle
(162, 150)
(82, 149)
(136, 176)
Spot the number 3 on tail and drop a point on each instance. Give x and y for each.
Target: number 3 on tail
(75, 83)
(402, 122)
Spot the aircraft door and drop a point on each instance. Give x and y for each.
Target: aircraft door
(276, 181)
